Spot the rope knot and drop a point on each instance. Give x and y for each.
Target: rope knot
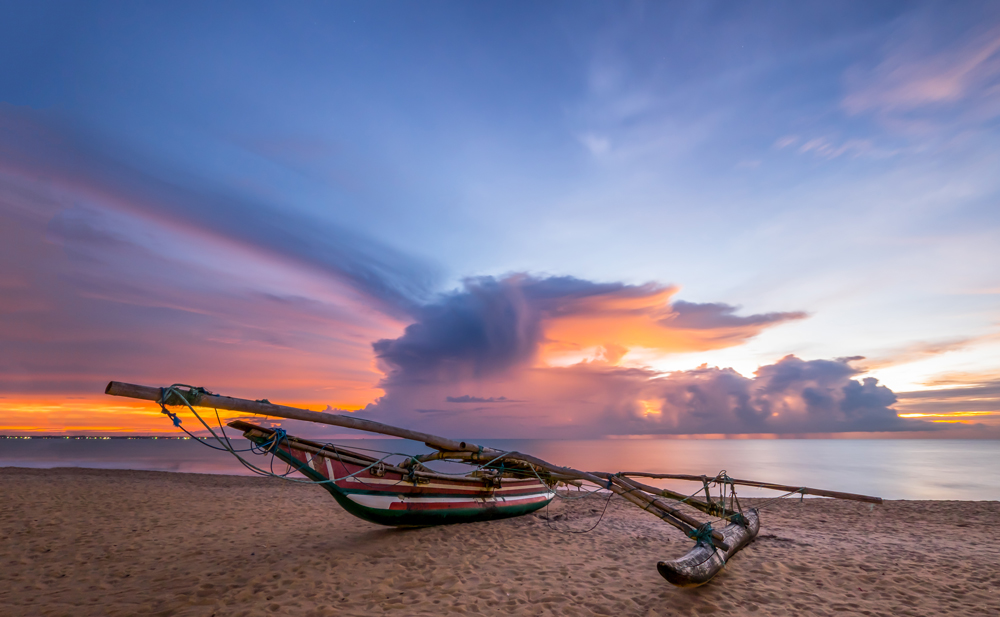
(701, 535)
(172, 416)
(411, 475)
(164, 392)
(277, 437)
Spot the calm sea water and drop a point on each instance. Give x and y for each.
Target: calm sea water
(892, 469)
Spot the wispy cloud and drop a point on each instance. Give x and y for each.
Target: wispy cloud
(466, 398)
(596, 144)
(970, 400)
(83, 169)
(830, 148)
(913, 77)
(113, 271)
(915, 352)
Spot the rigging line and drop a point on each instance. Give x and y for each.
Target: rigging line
(275, 444)
(548, 520)
(251, 467)
(283, 437)
(769, 502)
(556, 492)
(177, 423)
(334, 446)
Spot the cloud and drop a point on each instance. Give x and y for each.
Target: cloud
(963, 399)
(595, 144)
(493, 325)
(917, 76)
(922, 350)
(829, 149)
(114, 271)
(465, 398)
(106, 178)
(787, 141)
(689, 315)
(592, 400)
(493, 334)
(488, 327)
(790, 396)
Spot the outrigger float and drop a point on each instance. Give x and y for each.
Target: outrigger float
(503, 484)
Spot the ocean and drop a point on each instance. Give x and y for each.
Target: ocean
(892, 469)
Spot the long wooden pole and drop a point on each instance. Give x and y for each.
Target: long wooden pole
(198, 398)
(776, 487)
(707, 508)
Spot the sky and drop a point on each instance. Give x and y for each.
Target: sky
(506, 219)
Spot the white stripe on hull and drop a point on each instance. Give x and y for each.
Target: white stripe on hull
(384, 502)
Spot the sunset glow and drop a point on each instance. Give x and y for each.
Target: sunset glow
(636, 221)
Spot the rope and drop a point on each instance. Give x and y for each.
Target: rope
(701, 535)
(274, 443)
(548, 521)
(798, 491)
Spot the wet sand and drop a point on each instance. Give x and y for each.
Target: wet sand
(97, 542)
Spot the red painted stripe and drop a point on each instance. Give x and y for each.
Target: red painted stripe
(460, 505)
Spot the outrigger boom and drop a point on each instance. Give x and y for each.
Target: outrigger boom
(362, 485)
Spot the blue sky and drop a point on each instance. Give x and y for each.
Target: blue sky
(836, 160)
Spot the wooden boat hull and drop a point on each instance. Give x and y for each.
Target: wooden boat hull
(389, 497)
(704, 561)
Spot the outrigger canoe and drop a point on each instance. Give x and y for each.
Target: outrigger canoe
(502, 484)
(392, 495)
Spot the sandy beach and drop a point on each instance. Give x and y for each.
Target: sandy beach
(96, 542)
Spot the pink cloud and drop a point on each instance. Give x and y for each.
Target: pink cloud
(910, 78)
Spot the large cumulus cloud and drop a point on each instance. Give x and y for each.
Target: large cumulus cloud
(489, 340)
(492, 325)
(790, 396)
